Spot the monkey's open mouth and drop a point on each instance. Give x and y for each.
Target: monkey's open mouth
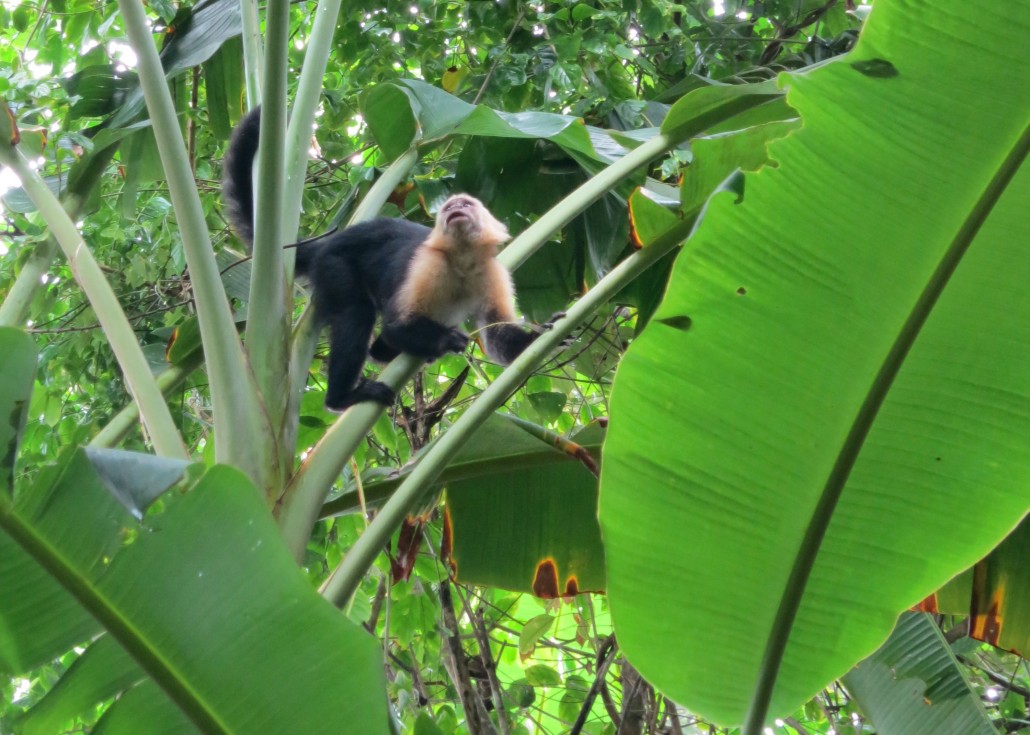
(453, 217)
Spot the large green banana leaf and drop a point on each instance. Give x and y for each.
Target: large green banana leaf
(830, 413)
(914, 686)
(201, 593)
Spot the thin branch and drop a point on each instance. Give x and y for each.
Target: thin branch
(605, 657)
(489, 665)
(476, 717)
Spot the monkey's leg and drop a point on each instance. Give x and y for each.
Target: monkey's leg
(423, 337)
(349, 331)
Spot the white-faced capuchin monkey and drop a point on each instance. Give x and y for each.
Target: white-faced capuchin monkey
(423, 282)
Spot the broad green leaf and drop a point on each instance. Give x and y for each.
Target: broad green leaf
(708, 107)
(96, 90)
(198, 33)
(754, 396)
(542, 676)
(388, 110)
(533, 531)
(648, 219)
(144, 710)
(914, 685)
(534, 629)
(717, 156)
(223, 83)
(104, 670)
(38, 619)
(230, 589)
(1000, 599)
(409, 111)
(995, 593)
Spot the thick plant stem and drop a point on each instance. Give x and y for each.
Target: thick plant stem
(253, 53)
(298, 141)
(82, 178)
(268, 324)
(302, 115)
(243, 435)
(348, 575)
(15, 309)
(153, 409)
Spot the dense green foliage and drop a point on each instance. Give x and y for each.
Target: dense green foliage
(562, 91)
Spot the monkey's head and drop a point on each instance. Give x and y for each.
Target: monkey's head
(465, 220)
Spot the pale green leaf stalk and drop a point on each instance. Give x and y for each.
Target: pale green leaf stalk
(243, 435)
(302, 115)
(298, 140)
(153, 409)
(348, 575)
(15, 309)
(303, 498)
(268, 324)
(253, 53)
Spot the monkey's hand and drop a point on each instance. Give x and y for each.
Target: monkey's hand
(453, 340)
(549, 324)
(422, 337)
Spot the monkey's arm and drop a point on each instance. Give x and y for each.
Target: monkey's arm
(503, 339)
(419, 336)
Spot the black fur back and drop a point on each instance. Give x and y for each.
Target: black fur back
(237, 181)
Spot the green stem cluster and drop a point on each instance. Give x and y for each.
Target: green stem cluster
(243, 435)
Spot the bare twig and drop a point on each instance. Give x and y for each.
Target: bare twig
(605, 656)
(497, 59)
(489, 665)
(476, 716)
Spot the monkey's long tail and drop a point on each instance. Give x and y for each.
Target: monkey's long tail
(237, 180)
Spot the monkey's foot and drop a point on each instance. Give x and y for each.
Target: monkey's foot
(365, 390)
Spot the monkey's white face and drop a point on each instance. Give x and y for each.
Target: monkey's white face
(459, 211)
(465, 218)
